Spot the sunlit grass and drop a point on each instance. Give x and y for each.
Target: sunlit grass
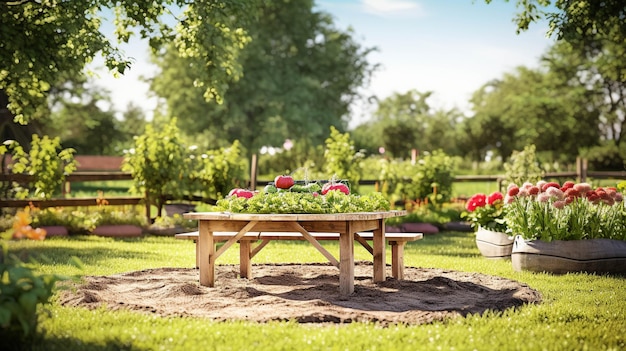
(579, 311)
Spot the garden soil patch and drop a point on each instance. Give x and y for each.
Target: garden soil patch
(306, 293)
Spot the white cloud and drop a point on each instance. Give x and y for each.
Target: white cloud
(386, 8)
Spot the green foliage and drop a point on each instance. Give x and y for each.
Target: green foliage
(45, 40)
(432, 179)
(219, 171)
(22, 291)
(439, 216)
(342, 162)
(300, 75)
(576, 20)
(581, 219)
(107, 215)
(295, 202)
(486, 212)
(549, 211)
(608, 157)
(523, 166)
(157, 164)
(45, 161)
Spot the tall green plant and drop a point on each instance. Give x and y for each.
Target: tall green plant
(22, 292)
(523, 166)
(432, 179)
(46, 161)
(219, 171)
(157, 164)
(342, 161)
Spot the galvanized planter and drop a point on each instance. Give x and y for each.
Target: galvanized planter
(565, 256)
(494, 244)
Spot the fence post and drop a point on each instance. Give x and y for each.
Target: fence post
(253, 172)
(581, 169)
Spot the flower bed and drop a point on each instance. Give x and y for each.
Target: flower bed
(566, 228)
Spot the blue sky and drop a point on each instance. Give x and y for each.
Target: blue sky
(450, 47)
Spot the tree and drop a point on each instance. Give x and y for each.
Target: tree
(158, 164)
(42, 40)
(300, 75)
(405, 121)
(539, 107)
(592, 41)
(81, 119)
(575, 20)
(133, 124)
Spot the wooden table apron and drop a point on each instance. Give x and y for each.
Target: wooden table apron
(346, 224)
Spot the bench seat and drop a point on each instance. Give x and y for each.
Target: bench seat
(397, 242)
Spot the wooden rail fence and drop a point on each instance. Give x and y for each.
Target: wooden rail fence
(580, 175)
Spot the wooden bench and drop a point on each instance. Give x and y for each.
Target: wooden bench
(396, 240)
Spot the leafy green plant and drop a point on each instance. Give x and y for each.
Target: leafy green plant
(22, 291)
(218, 171)
(548, 211)
(486, 211)
(109, 216)
(432, 179)
(290, 202)
(523, 166)
(428, 214)
(175, 220)
(342, 162)
(157, 164)
(46, 161)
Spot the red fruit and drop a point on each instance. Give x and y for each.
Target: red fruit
(284, 182)
(241, 193)
(335, 186)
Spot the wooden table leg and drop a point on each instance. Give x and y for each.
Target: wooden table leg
(378, 242)
(245, 262)
(397, 259)
(346, 261)
(206, 254)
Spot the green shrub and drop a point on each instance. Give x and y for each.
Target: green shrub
(45, 161)
(342, 161)
(523, 166)
(432, 179)
(21, 293)
(219, 171)
(157, 164)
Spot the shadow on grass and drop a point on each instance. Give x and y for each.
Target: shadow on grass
(61, 251)
(53, 343)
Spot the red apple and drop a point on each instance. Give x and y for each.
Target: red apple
(335, 186)
(284, 182)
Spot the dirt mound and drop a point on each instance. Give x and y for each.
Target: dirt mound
(307, 293)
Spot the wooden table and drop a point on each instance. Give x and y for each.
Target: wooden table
(346, 224)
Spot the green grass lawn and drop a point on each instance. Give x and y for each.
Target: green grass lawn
(578, 312)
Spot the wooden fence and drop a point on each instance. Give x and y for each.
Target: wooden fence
(581, 175)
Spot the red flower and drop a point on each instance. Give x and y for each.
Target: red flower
(533, 190)
(513, 190)
(495, 196)
(571, 192)
(550, 185)
(478, 200)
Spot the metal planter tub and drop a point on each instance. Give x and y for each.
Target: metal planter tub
(565, 256)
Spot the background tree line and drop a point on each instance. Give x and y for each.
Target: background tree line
(262, 72)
